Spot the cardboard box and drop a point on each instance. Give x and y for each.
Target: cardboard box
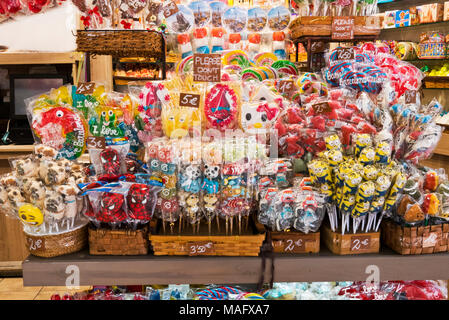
(389, 19)
(446, 11)
(402, 18)
(429, 13)
(414, 16)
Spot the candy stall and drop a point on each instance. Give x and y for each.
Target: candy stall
(273, 143)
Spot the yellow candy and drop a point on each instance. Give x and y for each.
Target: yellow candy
(31, 215)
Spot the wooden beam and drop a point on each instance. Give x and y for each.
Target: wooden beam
(8, 58)
(117, 270)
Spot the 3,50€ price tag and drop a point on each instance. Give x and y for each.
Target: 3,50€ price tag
(200, 248)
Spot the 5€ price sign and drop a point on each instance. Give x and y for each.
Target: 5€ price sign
(189, 100)
(200, 248)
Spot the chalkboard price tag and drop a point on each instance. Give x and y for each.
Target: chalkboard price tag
(85, 88)
(96, 142)
(360, 243)
(170, 9)
(322, 107)
(189, 100)
(200, 248)
(345, 53)
(35, 244)
(410, 96)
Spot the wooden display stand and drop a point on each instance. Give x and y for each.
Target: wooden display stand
(350, 243)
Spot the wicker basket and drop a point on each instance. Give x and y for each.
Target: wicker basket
(415, 240)
(57, 244)
(217, 245)
(118, 242)
(121, 43)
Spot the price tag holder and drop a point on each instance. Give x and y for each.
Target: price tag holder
(430, 240)
(200, 248)
(206, 67)
(343, 28)
(170, 9)
(96, 142)
(35, 244)
(322, 107)
(85, 88)
(189, 100)
(294, 244)
(360, 243)
(410, 96)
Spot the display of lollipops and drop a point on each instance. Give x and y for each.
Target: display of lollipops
(257, 20)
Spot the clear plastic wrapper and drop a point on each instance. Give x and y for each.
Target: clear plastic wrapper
(110, 161)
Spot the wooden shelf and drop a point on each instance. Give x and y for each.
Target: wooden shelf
(134, 270)
(8, 58)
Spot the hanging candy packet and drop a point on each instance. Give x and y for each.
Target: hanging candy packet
(86, 97)
(110, 161)
(181, 114)
(55, 123)
(222, 105)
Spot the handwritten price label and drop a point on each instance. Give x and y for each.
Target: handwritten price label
(85, 88)
(294, 245)
(35, 244)
(360, 243)
(322, 107)
(286, 87)
(96, 142)
(410, 96)
(189, 100)
(170, 9)
(343, 28)
(200, 248)
(345, 53)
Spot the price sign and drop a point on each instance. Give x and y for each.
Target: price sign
(206, 67)
(410, 96)
(286, 86)
(35, 244)
(96, 142)
(189, 100)
(322, 107)
(85, 88)
(345, 53)
(170, 9)
(200, 248)
(343, 28)
(294, 245)
(360, 243)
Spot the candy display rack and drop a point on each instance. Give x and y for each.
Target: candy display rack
(350, 243)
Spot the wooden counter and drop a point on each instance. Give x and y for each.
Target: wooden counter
(39, 57)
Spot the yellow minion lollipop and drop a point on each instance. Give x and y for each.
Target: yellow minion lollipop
(334, 157)
(370, 173)
(362, 140)
(367, 156)
(332, 142)
(383, 152)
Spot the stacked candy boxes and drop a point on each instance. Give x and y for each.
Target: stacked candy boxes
(42, 191)
(205, 180)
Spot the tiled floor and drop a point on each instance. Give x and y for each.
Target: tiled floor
(13, 289)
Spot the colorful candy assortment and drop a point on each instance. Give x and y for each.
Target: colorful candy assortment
(42, 192)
